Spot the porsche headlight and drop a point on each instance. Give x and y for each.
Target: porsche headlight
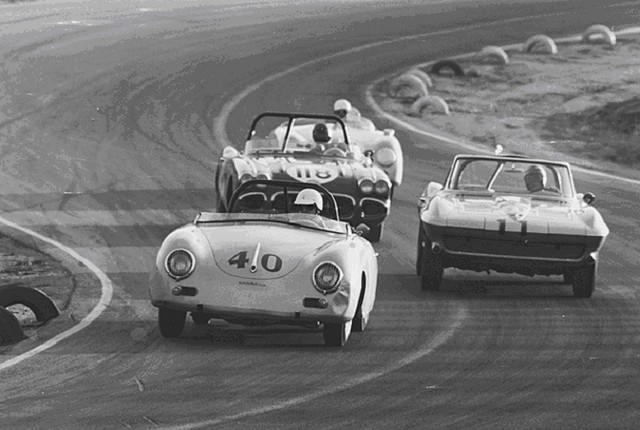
(180, 264)
(381, 188)
(366, 186)
(385, 156)
(327, 277)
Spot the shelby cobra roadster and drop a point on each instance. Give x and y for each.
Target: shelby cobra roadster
(262, 262)
(509, 214)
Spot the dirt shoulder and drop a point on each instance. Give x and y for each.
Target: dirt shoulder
(581, 104)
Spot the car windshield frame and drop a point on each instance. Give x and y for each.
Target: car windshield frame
(308, 221)
(293, 135)
(488, 175)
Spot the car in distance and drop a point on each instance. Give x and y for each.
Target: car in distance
(509, 214)
(261, 263)
(280, 146)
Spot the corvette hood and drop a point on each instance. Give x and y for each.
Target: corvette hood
(263, 251)
(322, 170)
(511, 213)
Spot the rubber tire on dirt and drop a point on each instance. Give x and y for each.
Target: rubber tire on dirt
(375, 233)
(431, 269)
(40, 304)
(419, 251)
(584, 281)
(336, 334)
(200, 318)
(360, 322)
(447, 64)
(171, 322)
(10, 328)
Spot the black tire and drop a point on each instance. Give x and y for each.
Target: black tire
(336, 334)
(200, 318)
(40, 304)
(431, 269)
(567, 278)
(171, 322)
(10, 328)
(375, 233)
(447, 64)
(584, 281)
(419, 251)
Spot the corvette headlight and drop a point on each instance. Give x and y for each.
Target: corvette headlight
(327, 277)
(246, 177)
(385, 156)
(366, 186)
(180, 264)
(382, 188)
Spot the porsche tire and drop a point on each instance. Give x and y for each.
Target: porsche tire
(171, 322)
(10, 328)
(336, 334)
(431, 269)
(375, 234)
(360, 322)
(583, 281)
(200, 318)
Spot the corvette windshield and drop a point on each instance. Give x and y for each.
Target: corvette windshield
(315, 222)
(534, 178)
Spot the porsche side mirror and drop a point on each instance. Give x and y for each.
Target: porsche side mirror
(588, 198)
(362, 229)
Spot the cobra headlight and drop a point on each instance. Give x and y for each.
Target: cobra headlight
(327, 277)
(180, 264)
(381, 188)
(385, 156)
(366, 186)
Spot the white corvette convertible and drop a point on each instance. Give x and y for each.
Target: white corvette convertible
(511, 215)
(261, 263)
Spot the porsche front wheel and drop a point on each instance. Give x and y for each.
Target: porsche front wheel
(419, 251)
(431, 269)
(171, 322)
(336, 334)
(583, 281)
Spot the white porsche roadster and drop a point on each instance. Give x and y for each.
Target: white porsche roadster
(509, 214)
(262, 263)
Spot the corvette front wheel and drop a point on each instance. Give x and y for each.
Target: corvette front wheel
(171, 322)
(336, 334)
(583, 281)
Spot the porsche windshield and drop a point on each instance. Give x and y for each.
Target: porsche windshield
(517, 176)
(315, 222)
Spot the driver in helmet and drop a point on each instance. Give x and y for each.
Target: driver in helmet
(341, 108)
(308, 201)
(535, 179)
(322, 135)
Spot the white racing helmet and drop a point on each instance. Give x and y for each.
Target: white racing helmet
(309, 196)
(342, 105)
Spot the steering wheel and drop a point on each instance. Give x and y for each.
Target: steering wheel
(335, 151)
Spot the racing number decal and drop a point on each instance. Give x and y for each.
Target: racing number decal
(269, 262)
(312, 173)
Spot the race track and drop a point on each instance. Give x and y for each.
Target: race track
(112, 117)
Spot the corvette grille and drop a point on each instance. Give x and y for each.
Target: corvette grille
(346, 206)
(513, 248)
(373, 208)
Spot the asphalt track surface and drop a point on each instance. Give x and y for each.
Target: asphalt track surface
(126, 106)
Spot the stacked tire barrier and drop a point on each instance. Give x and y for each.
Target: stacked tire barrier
(416, 88)
(35, 300)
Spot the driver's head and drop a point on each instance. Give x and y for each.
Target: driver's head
(341, 108)
(535, 178)
(321, 133)
(308, 201)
